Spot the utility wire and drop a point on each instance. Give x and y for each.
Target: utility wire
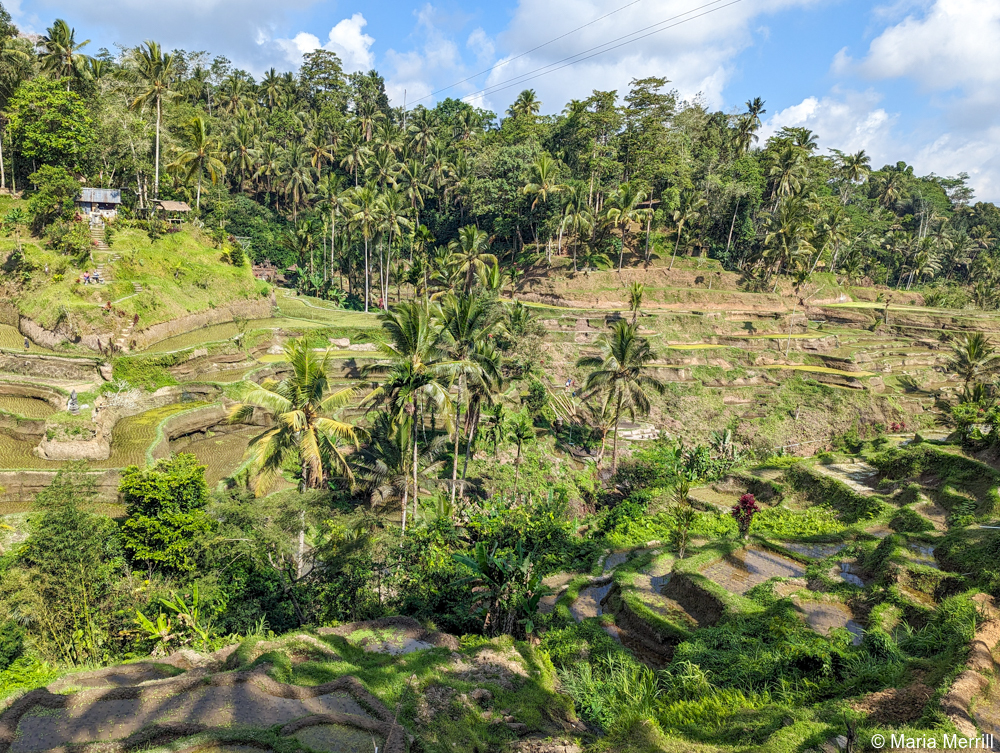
(538, 72)
(528, 52)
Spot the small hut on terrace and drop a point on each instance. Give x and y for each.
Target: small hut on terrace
(173, 209)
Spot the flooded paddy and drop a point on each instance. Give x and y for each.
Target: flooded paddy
(860, 477)
(825, 616)
(588, 602)
(742, 570)
(922, 554)
(815, 551)
(29, 407)
(850, 573)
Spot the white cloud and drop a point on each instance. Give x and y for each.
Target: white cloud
(951, 50)
(845, 120)
(481, 45)
(696, 55)
(346, 38)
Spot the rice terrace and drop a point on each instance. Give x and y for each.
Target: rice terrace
(338, 415)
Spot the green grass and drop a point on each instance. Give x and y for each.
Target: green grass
(180, 274)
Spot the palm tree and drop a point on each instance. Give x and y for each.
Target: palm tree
(297, 176)
(386, 467)
(635, 293)
(335, 200)
(543, 184)
(625, 210)
(156, 70)
(543, 180)
(526, 104)
(416, 371)
(466, 323)
(685, 215)
(578, 219)
(622, 369)
(521, 431)
(365, 206)
(60, 51)
(469, 252)
(302, 408)
(201, 155)
(973, 358)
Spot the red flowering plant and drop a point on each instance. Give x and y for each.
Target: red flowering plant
(743, 512)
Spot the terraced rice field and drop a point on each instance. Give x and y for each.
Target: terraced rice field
(746, 568)
(130, 439)
(12, 339)
(29, 407)
(221, 453)
(819, 370)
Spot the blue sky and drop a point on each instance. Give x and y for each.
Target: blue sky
(913, 80)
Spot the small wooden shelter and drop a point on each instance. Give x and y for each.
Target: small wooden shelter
(172, 209)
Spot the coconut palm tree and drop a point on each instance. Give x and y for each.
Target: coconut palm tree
(577, 218)
(335, 199)
(302, 409)
(687, 213)
(156, 71)
(60, 51)
(365, 217)
(201, 155)
(296, 173)
(543, 182)
(526, 104)
(635, 293)
(469, 253)
(387, 466)
(974, 358)
(415, 371)
(624, 209)
(621, 368)
(521, 431)
(466, 323)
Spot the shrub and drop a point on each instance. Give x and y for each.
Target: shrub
(11, 642)
(164, 511)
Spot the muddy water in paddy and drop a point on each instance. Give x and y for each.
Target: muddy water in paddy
(850, 573)
(588, 603)
(816, 551)
(922, 554)
(824, 616)
(742, 570)
(29, 407)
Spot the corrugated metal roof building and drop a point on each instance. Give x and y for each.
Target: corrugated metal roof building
(99, 202)
(100, 196)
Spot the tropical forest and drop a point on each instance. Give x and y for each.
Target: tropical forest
(335, 426)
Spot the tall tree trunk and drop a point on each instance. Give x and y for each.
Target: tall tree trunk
(676, 245)
(458, 436)
(3, 176)
(732, 225)
(156, 188)
(614, 446)
(366, 275)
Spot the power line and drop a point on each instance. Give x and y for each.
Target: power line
(556, 66)
(528, 52)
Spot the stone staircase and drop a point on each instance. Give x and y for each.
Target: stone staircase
(122, 342)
